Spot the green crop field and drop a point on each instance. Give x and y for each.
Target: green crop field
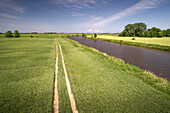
(102, 86)
(160, 41)
(27, 75)
(99, 83)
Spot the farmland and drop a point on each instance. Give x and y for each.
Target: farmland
(99, 83)
(151, 43)
(160, 41)
(27, 75)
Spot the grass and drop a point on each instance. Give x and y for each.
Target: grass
(153, 43)
(27, 75)
(43, 35)
(101, 85)
(64, 102)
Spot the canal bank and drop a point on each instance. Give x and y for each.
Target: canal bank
(154, 61)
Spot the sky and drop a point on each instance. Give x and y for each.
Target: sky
(77, 16)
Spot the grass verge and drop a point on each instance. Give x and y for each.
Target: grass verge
(106, 84)
(146, 76)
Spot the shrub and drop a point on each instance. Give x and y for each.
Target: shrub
(16, 34)
(84, 35)
(95, 35)
(8, 34)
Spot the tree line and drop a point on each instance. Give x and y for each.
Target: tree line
(140, 30)
(9, 34)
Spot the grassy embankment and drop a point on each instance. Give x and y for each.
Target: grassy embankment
(105, 84)
(27, 75)
(153, 43)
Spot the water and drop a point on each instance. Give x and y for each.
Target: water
(155, 61)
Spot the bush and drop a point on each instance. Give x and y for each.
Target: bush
(168, 32)
(84, 35)
(8, 34)
(16, 34)
(95, 35)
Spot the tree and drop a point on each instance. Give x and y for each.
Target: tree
(16, 34)
(147, 33)
(156, 31)
(84, 35)
(164, 33)
(139, 27)
(151, 34)
(8, 34)
(136, 29)
(95, 35)
(160, 34)
(168, 32)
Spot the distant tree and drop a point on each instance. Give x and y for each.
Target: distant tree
(139, 27)
(160, 34)
(168, 32)
(8, 34)
(136, 29)
(141, 34)
(16, 34)
(84, 35)
(151, 33)
(164, 33)
(147, 33)
(155, 32)
(130, 27)
(131, 33)
(95, 35)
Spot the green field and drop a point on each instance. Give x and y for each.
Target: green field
(27, 75)
(102, 86)
(99, 83)
(160, 41)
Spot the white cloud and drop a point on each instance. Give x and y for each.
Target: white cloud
(141, 5)
(94, 30)
(89, 30)
(80, 3)
(98, 31)
(9, 6)
(7, 15)
(9, 9)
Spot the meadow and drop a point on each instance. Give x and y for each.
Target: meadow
(160, 41)
(99, 83)
(152, 43)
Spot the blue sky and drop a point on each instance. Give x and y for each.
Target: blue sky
(109, 16)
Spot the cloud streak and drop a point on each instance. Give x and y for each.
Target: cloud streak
(79, 4)
(141, 5)
(7, 15)
(8, 9)
(8, 5)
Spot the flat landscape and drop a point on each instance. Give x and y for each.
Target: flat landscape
(99, 83)
(160, 41)
(84, 56)
(27, 74)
